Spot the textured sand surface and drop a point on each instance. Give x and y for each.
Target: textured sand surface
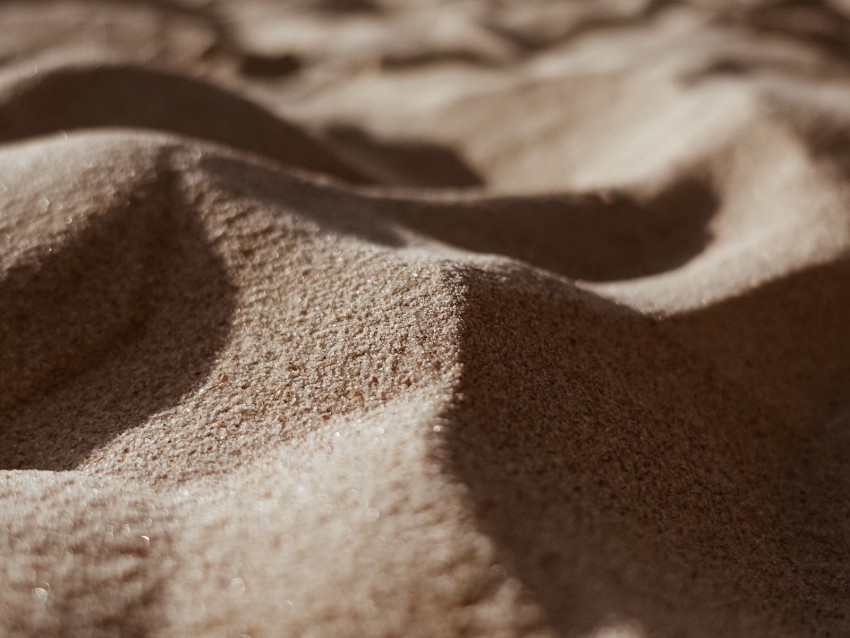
(394, 318)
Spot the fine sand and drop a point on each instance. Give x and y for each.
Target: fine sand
(420, 318)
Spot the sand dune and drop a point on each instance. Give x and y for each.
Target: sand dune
(484, 319)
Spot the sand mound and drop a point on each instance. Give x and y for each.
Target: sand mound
(137, 97)
(519, 327)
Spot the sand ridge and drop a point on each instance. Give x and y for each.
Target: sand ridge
(481, 320)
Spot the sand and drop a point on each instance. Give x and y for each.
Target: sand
(388, 318)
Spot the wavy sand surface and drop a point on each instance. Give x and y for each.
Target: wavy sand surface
(424, 319)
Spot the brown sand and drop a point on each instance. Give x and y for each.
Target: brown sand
(389, 318)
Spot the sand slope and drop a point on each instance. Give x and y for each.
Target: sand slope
(424, 319)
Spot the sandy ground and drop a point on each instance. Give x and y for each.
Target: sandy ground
(396, 318)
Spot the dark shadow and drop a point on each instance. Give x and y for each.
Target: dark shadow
(816, 521)
(403, 162)
(628, 473)
(126, 95)
(787, 344)
(108, 329)
(422, 57)
(267, 66)
(601, 237)
(718, 68)
(346, 6)
(342, 8)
